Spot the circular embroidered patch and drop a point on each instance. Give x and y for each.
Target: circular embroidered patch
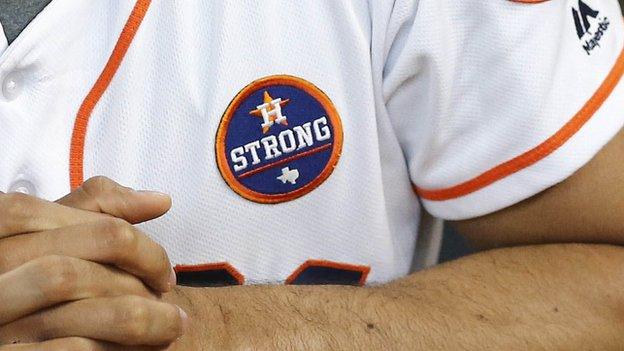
(279, 139)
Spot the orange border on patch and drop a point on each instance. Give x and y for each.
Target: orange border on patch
(364, 270)
(256, 85)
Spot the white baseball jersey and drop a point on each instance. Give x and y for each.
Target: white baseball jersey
(302, 141)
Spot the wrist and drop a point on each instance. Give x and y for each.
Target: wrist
(185, 299)
(282, 317)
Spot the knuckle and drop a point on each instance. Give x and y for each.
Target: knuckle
(58, 277)
(98, 185)
(15, 204)
(16, 209)
(134, 316)
(15, 197)
(101, 186)
(119, 237)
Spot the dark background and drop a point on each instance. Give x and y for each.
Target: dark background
(453, 244)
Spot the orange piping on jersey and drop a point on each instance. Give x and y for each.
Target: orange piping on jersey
(539, 152)
(240, 279)
(76, 153)
(364, 270)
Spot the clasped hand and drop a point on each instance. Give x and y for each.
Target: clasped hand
(75, 274)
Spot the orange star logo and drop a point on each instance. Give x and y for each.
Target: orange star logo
(270, 112)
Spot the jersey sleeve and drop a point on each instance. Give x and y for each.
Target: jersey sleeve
(495, 101)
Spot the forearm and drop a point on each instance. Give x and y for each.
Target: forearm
(548, 297)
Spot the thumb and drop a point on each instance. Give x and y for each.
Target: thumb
(100, 194)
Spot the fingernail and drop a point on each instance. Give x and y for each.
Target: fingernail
(173, 279)
(153, 193)
(184, 318)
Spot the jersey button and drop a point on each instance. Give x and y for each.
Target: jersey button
(12, 85)
(24, 187)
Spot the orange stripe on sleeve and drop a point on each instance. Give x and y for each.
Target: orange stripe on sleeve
(537, 153)
(76, 153)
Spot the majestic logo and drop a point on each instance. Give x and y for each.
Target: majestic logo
(584, 27)
(279, 139)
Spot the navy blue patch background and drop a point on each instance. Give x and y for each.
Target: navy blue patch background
(244, 128)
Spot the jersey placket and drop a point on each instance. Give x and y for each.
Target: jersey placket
(44, 75)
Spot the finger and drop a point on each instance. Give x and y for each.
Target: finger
(20, 213)
(125, 320)
(75, 344)
(51, 280)
(100, 194)
(109, 241)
